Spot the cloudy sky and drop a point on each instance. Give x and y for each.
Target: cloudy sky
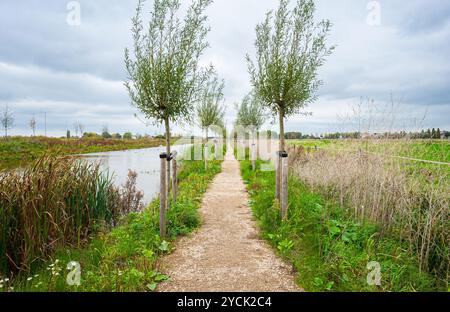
(76, 73)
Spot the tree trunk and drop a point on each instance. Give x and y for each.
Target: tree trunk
(166, 122)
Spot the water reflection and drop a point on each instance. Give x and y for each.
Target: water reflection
(144, 161)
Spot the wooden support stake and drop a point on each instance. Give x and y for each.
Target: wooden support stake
(168, 181)
(206, 156)
(277, 176)
(162, 196)
(174, 177)
(216, 149)
(253, 156)
(284, 185)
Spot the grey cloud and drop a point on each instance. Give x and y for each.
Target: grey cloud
(77, 72)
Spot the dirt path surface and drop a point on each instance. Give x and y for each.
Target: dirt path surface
(226, 253)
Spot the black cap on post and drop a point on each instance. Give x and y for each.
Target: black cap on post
(282, 154)
(163, 155)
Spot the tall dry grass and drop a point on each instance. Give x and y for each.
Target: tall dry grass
(408, 200)
(56, 202)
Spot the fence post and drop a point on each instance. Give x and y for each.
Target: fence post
(168, 180)
(253, 156)
(206, 156)
(284, 184)
(174, 177)
(162, 196)
(277, 175)
(216, 149)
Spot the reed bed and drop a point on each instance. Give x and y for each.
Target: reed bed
(410, 201)
(57, 202)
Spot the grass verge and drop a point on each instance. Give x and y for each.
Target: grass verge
(124, 259)
(330, 250)
(20, 151)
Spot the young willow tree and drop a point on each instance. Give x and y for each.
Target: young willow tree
(251, 112)
(164, 74)
(251, 115)
(7, 120)
(290, 47)
(210, 109)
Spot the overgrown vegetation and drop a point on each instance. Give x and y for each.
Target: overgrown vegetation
(125, 259)
(434, 150)
(20, 151)
(57, 202)
(327, 246)
(410, 201)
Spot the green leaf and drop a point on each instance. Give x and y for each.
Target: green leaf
(164, 246)
(161, 277)
(148, 254)
(334, 230)
(285, 245)
(318, 207)
(152, 286)
(329, 285)
(349, 236)
(318, 281)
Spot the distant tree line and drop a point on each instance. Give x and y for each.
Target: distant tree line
(336, 135)
(424, 134)
(431, 134)
(106, 135)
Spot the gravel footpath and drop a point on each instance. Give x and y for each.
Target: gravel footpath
(226, 253)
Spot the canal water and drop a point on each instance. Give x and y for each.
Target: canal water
(145, 162)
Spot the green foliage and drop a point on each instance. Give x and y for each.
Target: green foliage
(164, 76)
(124, 259)
(328, 248)
(210, 110)
(90, 135)
(290, 47)
(127, 136)
(106, 135)
(251, 112)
